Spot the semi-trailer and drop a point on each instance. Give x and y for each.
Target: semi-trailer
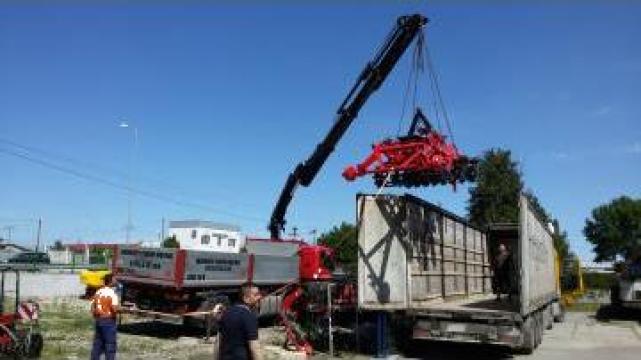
(431, 271)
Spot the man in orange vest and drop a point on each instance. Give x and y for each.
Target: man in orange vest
(104, 307)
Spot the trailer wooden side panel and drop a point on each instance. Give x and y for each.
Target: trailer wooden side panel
(413, 254)
(537, 257)
(382, 256)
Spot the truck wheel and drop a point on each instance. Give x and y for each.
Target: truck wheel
(560, 317)
(538, 321)
(549, 317)
(529, 338)
(402, 335)
(207, 323)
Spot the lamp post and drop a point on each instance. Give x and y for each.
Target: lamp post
(132, 158)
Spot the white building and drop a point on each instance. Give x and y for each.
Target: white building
(207, 235)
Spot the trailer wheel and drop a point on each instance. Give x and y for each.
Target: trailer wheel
(560, 317)
(402, 334)
(529, 337)
(538, 321)
(208, 323)
(549, 317)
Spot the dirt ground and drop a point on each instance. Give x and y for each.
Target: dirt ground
(68, 331)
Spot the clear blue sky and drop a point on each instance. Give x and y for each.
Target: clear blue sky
(227, 99)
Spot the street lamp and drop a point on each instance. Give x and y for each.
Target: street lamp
(132, 158)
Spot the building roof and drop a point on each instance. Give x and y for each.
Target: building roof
(188, 224)
(4, 245)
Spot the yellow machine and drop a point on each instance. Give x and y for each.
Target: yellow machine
(571, 280)
(93, 280)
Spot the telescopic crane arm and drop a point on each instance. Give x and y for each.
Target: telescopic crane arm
(370, 79)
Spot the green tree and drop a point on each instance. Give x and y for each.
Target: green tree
(170, 242)
(615, 228)
(495, 197)
(560, 237)
(344, 240)
(100, 256)
(561, 243)
(57, 245)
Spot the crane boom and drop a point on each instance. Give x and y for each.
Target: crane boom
(370, 79)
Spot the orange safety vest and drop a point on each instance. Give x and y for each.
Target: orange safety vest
(102, 304)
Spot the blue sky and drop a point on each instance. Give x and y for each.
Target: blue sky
(227, 99)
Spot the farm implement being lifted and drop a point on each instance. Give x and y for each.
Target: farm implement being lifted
(421, 158)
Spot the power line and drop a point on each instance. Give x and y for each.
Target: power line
(116, 185)
(83, 164)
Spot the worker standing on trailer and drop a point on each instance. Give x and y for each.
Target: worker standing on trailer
(502, 272)
(104, 307)
(238, 331)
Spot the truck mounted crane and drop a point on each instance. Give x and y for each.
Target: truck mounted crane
(373, 75)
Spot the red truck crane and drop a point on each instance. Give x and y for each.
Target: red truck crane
(421, 158)
(183, 286)
(373, 75)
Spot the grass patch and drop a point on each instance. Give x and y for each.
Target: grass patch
(584, 307)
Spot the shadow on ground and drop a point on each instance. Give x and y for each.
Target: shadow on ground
(457, 351)
(171, 331)
(607, 313)
(159, 330)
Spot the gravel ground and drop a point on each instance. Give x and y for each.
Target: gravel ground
(68, 331)
(581, 337)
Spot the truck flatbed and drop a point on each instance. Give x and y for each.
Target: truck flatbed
(482, 306)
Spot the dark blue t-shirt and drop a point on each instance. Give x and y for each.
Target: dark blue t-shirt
(238, 326)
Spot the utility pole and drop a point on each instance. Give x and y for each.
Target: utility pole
(162, 230)
(9, 228)
(294, 233)
(39, 232)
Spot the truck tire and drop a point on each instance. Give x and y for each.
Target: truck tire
(207, 324)
(549, 317)
(539, 325)
(529, 338)
(402, 334)
(560, 317)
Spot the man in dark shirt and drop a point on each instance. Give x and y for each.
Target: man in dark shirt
(238, 337)
(502, 271)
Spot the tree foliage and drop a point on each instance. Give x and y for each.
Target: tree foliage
(494, 199)
(100, 256)
(560, 237)
(598, 281)
(58, 246)
(615, 228)
(170, 242)
(344, 240)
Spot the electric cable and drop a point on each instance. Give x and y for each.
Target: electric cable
(114, 184)
(112, 171)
